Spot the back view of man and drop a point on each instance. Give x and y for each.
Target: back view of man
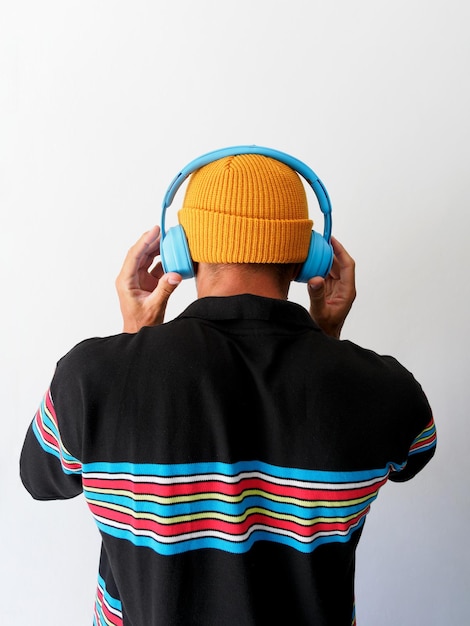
(229, 457)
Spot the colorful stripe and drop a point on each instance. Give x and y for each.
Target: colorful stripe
(108, 610)
(46, 429)
(426, 440)
(176, 508)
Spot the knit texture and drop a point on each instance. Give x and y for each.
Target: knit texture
(246, 209)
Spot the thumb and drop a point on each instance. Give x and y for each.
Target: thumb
(316, 292)
(158, 300)
(316, 288)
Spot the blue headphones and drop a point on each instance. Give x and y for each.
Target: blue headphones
(174, 248)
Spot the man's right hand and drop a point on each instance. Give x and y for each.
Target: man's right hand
(143, 294)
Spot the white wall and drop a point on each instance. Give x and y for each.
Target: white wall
(103, 102)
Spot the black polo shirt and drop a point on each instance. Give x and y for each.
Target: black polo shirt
(229, 458)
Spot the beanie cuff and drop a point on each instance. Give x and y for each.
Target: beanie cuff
(223, 238)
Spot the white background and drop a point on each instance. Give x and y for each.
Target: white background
(103, 102)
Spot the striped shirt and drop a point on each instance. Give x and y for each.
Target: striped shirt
(237, 442)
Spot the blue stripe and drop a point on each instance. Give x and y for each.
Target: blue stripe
(231, 470)
(113, 602)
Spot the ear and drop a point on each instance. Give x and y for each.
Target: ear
(295, 271)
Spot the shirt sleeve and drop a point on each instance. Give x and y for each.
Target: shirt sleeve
(420, 453)
(47, 469)
(55, 449)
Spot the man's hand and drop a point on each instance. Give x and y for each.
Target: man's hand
(143, 294)
(331, 298)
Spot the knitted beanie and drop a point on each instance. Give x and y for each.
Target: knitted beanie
(246, 209)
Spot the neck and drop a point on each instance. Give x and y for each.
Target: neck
(235, 279)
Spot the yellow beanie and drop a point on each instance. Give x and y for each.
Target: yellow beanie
(246, 209)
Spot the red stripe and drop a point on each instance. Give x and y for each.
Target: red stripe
(50, 405)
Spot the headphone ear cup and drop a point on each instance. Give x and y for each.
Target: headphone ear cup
(174, 253)
(319, 259)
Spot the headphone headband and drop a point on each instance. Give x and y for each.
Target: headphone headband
(295, 164)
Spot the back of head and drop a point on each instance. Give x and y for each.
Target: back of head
(246, 208)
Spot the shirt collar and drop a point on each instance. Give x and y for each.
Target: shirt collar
(247, 307)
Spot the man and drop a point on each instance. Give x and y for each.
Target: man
(230, 456)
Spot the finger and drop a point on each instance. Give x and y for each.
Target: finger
(344, 259)
(316, 292)
(158, 299)
(335, 270)
(157, 271)
(147, 248)
(152, 241)
(345, 265)
(139, 256)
